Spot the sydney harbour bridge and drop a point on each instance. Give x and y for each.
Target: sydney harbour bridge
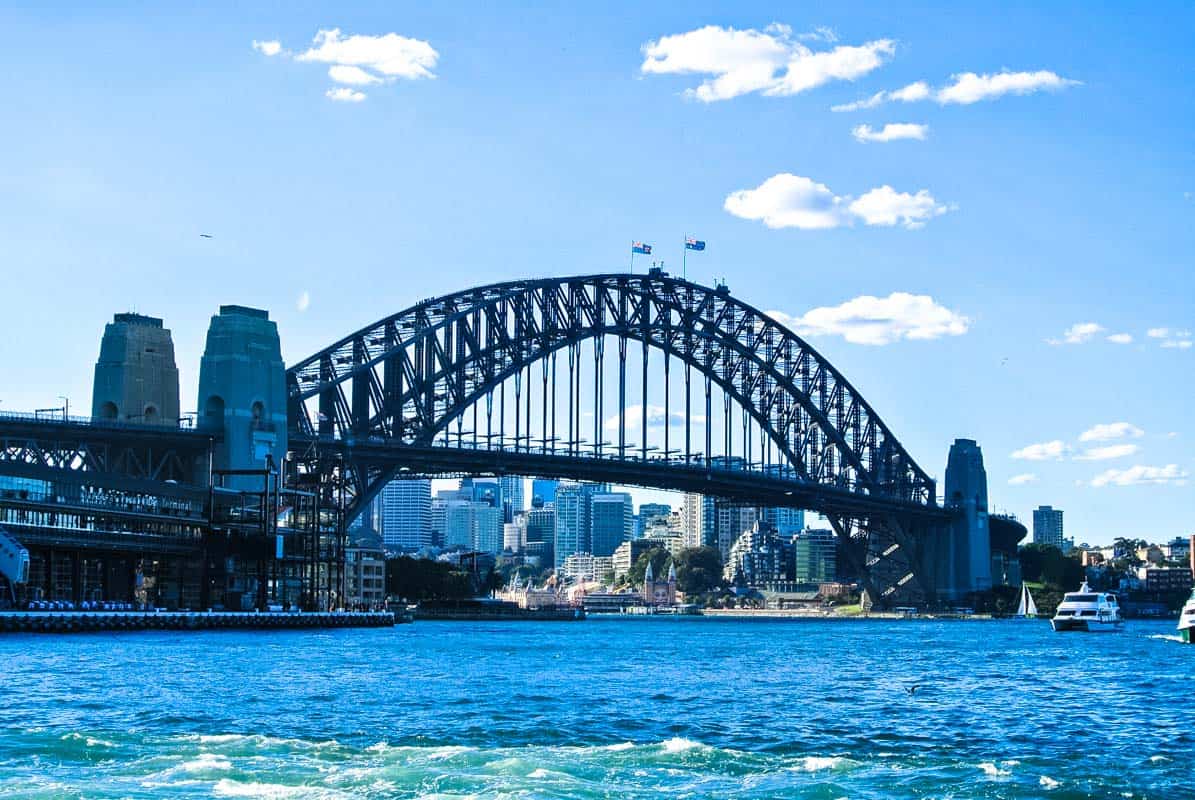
(636, 379)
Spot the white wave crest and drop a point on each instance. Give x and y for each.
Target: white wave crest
(819, 763)
(679, 745)
(1048, 783)
(206, 762)
(992, 771)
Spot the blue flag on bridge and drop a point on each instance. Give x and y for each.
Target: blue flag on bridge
(694, 244)
(640, 248)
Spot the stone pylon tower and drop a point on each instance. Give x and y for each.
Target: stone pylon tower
(242, 391)
(966, 566)
(136, 379)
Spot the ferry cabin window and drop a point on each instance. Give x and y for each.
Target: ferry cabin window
(1079, 598)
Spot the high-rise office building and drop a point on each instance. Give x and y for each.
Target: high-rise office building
(543, 491)
(574, 510)
(1047, 526)
(611, 522)
(512, 496)
(541, 533)
(406, 514)
(786, 521)
(815, 554)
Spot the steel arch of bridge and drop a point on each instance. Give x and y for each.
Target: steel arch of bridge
(383, 398)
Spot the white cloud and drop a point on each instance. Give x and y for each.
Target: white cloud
(912, 93)
(890, 132)
(304, 301)
(268, 48)
(1121, 338)
(1042, 451)
(1022, 479)
(354, 76)
(345, 95)
(792, 201)
(879, 320)
(1107, 452)
(967, 88)
(770, 61)
(1172, 338)
(886, 206)
(360, 60)
(390, 55)
(1141, 475)
(971, 88)
(1078, 333)
(655, 417)
(1107, 431)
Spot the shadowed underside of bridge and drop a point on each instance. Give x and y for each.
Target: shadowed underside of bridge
(636, 379)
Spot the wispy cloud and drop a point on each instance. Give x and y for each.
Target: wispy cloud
(1022, 479)
(362, 60)
(1042, 451)
(966, 88)
(1109, 431)
(879, 320)
(1141, 475)
(1107, 452)
(771, 62)
(891, 132)
(1171, 338)
(1121, 338)
(1079, 333)
(304, 301)
(345, 95)
(793, 201)
(270, 48)
(655, 417)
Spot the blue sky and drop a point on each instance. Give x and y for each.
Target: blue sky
(537, 143)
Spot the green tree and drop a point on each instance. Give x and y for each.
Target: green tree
(656, 556)
(1044, 563)
(416, 579)
(698, 570)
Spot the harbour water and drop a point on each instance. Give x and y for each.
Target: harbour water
(602, 709)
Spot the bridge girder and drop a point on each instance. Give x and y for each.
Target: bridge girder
(407, 378)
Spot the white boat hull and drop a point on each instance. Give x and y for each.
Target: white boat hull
(1086, 625)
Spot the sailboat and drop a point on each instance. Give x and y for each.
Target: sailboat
(1027, 608)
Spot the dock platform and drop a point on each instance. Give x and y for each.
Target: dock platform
(85, 621)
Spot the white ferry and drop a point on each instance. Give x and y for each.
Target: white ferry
(1086, 610)
(1186, 620)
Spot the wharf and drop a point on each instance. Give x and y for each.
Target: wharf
(85, 621)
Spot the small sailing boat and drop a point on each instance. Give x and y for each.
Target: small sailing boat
(1027, 609)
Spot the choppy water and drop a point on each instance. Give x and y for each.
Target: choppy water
(602, 709)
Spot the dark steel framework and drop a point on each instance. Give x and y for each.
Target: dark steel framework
(395, 399)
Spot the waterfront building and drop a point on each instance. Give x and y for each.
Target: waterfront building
(659, 592)
(759, 557)
(731, 522)
(611, 522)
(486, 531)
(543, 492)
(661, 534)
(586, 567)
(406, 514)
(1178, 549)
(694, 520)
(1047, 526)
(814, 556)
(1164, 579)
(364, 570)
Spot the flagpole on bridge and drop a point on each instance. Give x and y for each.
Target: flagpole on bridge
(684, 258)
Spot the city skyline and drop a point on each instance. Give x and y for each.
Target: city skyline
(1006, 295)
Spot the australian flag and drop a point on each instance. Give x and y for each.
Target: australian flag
(694, 244)
(641, 248)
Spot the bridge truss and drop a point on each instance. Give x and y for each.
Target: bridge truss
(638, 379)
